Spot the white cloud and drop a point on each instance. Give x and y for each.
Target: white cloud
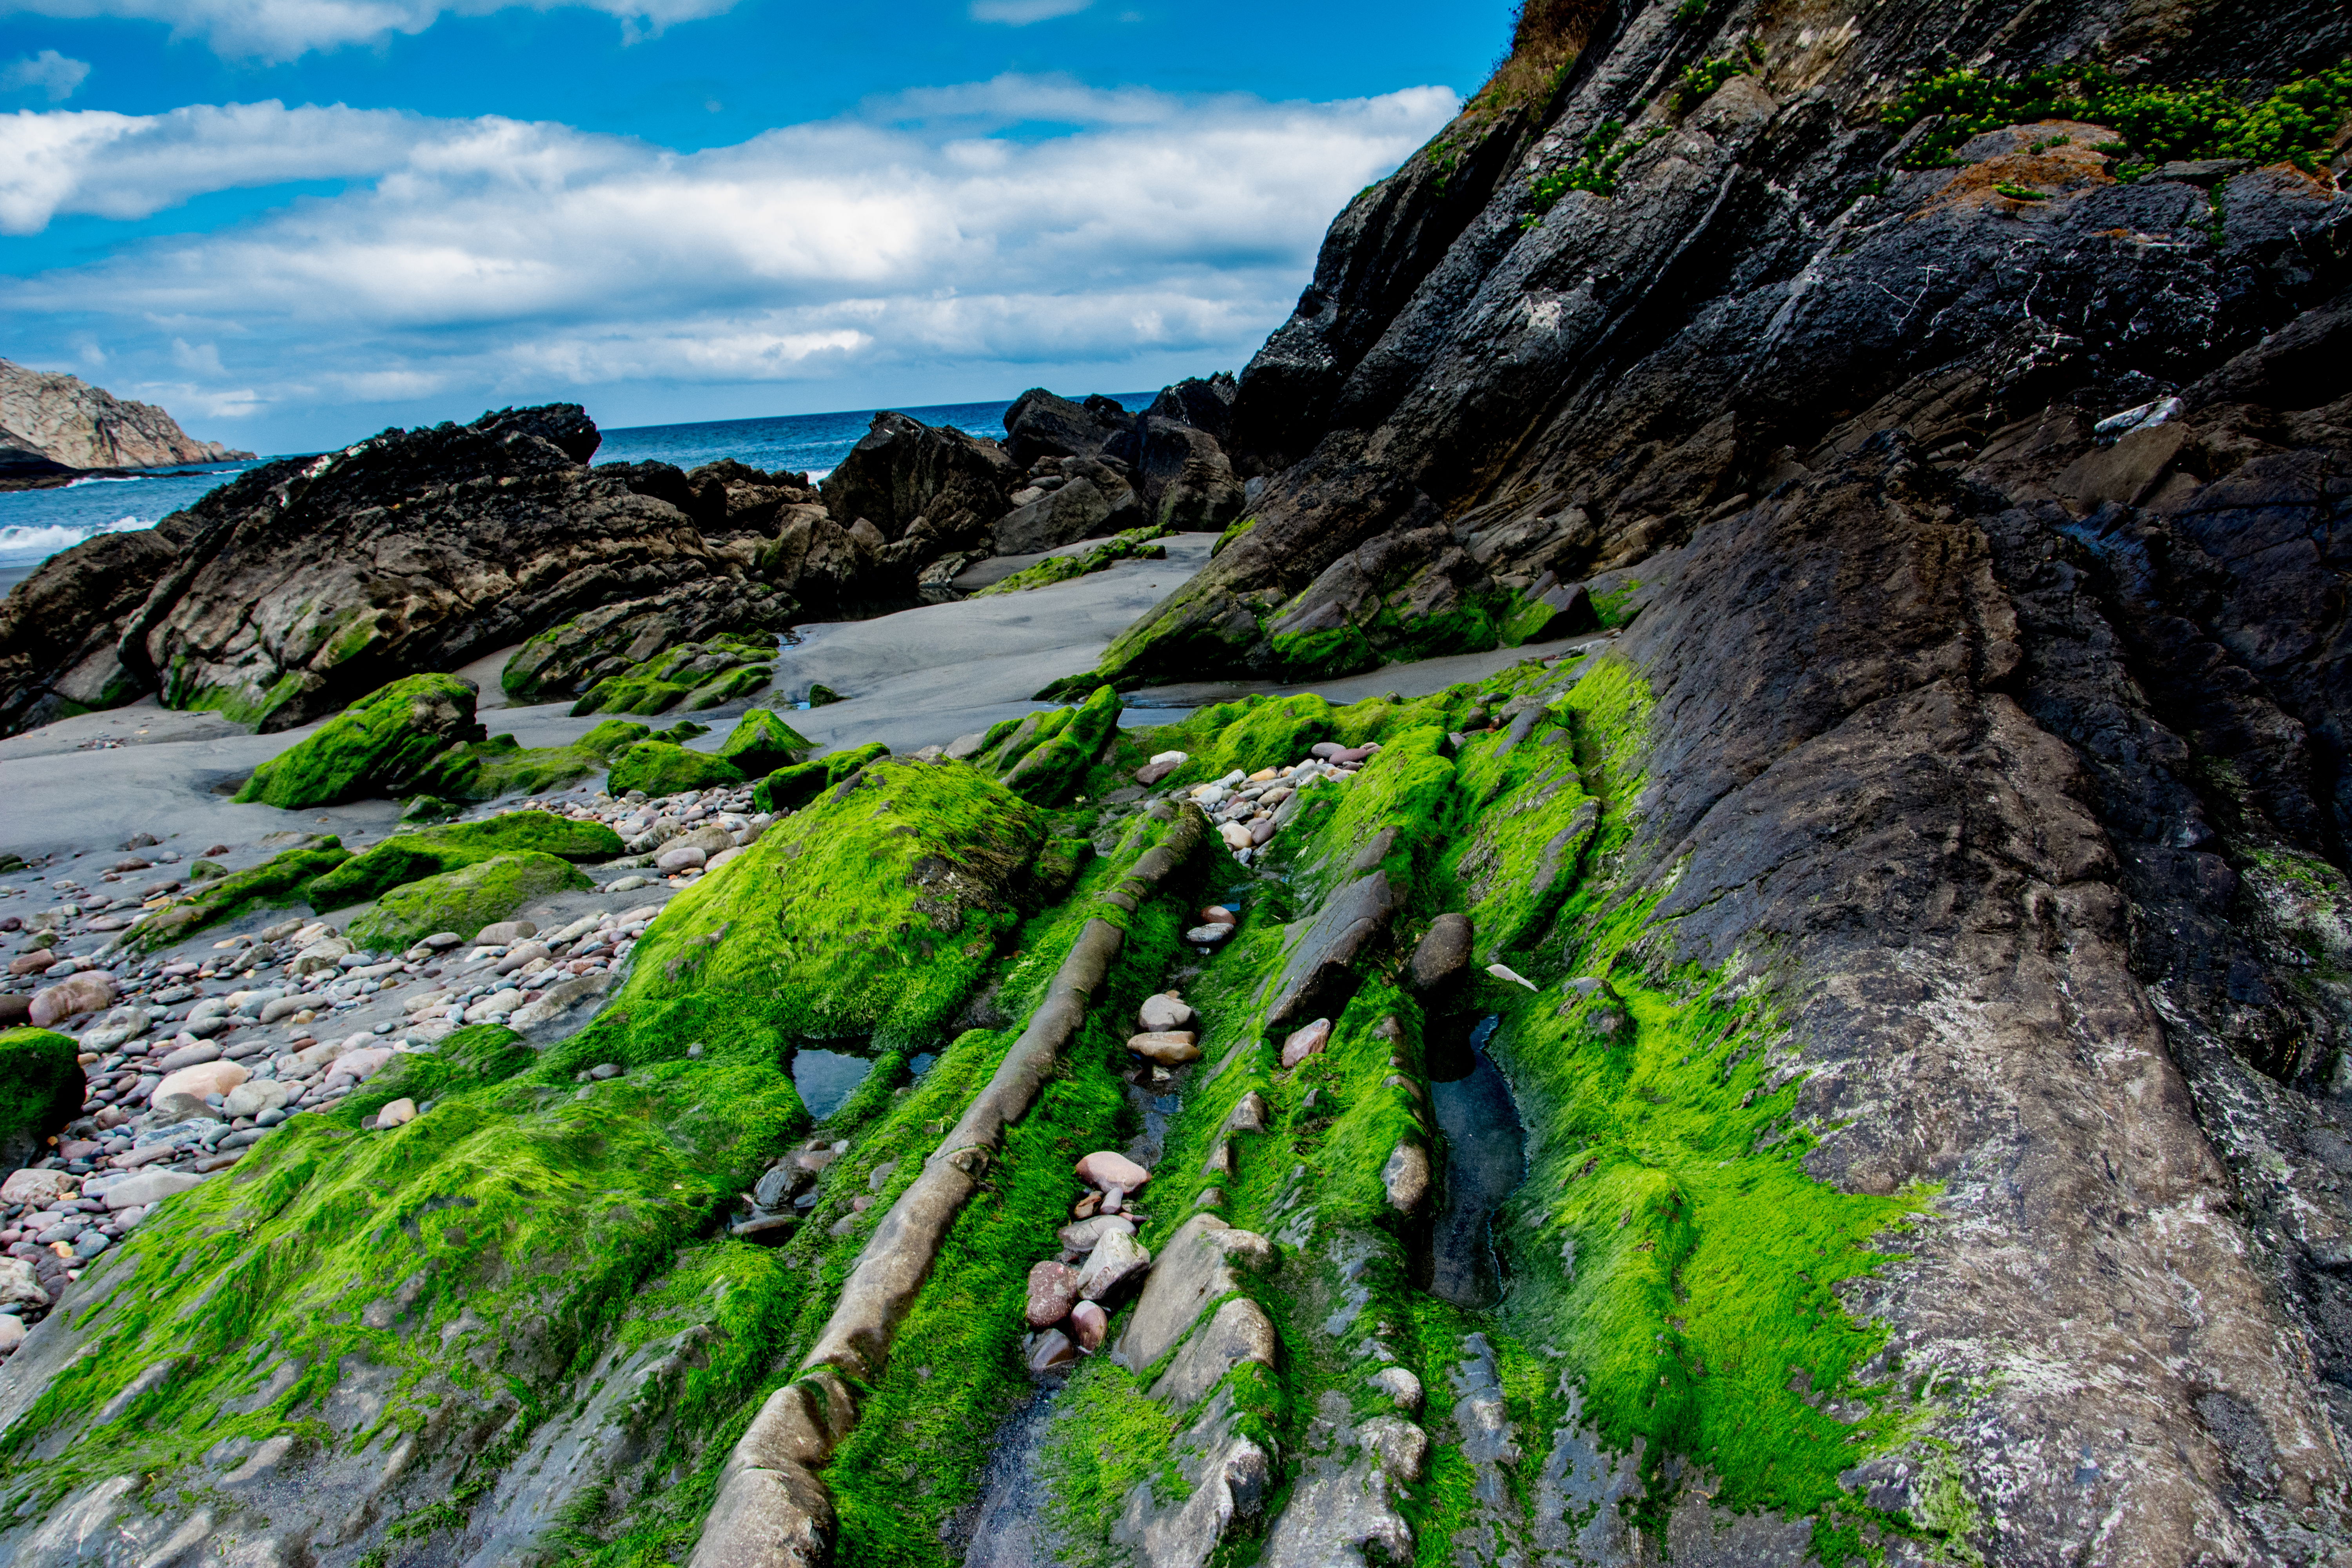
(54, 75)
(283, 29)
(531, 259)
(1021, 13)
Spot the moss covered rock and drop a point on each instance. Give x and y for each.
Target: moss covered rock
(283, 879)
(466, 899)
(695, 674)
(41, 1089)
(871, 912)
(1044, 757)
(611, 735)
(663, 767)
(412, 856)
(378, 746)
(789, 789)
(762, 742)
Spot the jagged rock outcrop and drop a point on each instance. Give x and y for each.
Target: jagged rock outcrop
(69, 422)
(927, 491)
(301, 586)
(1577, 326)
(1040, 424)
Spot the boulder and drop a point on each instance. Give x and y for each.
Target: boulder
(1092, 500)
(925, 491)
(760, 742)
(1205, 1261)
(1188, 484)
(1441, 960)
(1321, 973)
(467, 899)
(662, 767)
(565, 659)
(379, 746)
(412, 856)
(1239, 1332)
(1041, 425)
(1206, 403)
(84, 992)
(1305, 1042)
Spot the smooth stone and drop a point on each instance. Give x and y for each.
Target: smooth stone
(441, 941)
(148, 1188)
(1107, 1168)
(1236, 837)
(1166, 1011)
(255, 1097)
(1443, 956)
(202, 1080)
(1080, 1235)
(398, 1113)
(1117, 1261)
(1201, 1264)
(1305, 1043)
(680, 859)
(40, 1188)
(1167, 1048)
(1240, 1332)
(1053, 1352)
(1053, 1291)
(501, 932)
(1089, 1326)
(1402, 1388)
(87, 992)
(190, 1056)
(1209, 935)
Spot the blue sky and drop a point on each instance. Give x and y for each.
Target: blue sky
(293, 222)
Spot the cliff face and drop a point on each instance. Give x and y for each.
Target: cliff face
(68, 421)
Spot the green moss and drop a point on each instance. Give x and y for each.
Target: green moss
(479, 1259)
(409, 856)
(1233, 533)
(698, 674)
(789, 789)
(284, 878)
(870, 913)
(2296, 123)
(823, 697)
(1108, 1437)
(41, 1089)
(378, 746)
(659, 768)
(726, 686)
(1616, 608)
(464, 900)
(761, 743)
(1065, 746)
(611, 735)
(1532, 822)
(1135, 543)
(630, 694)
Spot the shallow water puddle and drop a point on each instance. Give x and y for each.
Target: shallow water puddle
(1485, 1157)
(826, 1078)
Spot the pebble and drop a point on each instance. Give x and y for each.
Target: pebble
(397, 1114)
(1089, 1326)
(1052, 1351)
(1236, 837)
(1081, 1236)
(501, 933)
(1053, 1291)
(1209, 935)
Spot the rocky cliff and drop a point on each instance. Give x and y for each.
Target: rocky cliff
(68, 421)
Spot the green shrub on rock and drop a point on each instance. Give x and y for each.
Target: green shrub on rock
(789, 789)
(464, 900)
(868, 913)
(761, 743)
(41, 1089)
(664, 767)
(283, 879)
(378, 745)
(412, 856)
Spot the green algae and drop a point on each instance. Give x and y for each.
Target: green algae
(487, 770)
(790, 788)
(410, 856)
(869, 913)
(664, 767)
(466, 899)
(761, 743)
(1136, 545)
(283, 880)
(479, 1258)
(1058, 753)
(700, 675)
(41, 1089)
(378, 745)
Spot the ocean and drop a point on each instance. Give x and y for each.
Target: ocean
(36, 524)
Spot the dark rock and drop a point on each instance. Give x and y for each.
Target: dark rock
(1040, 425)
(564, 660)
(1204, 403)
(1442, 959)
(925, 491)
(1187, 485)
(1321, 972)
(1094, 499)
